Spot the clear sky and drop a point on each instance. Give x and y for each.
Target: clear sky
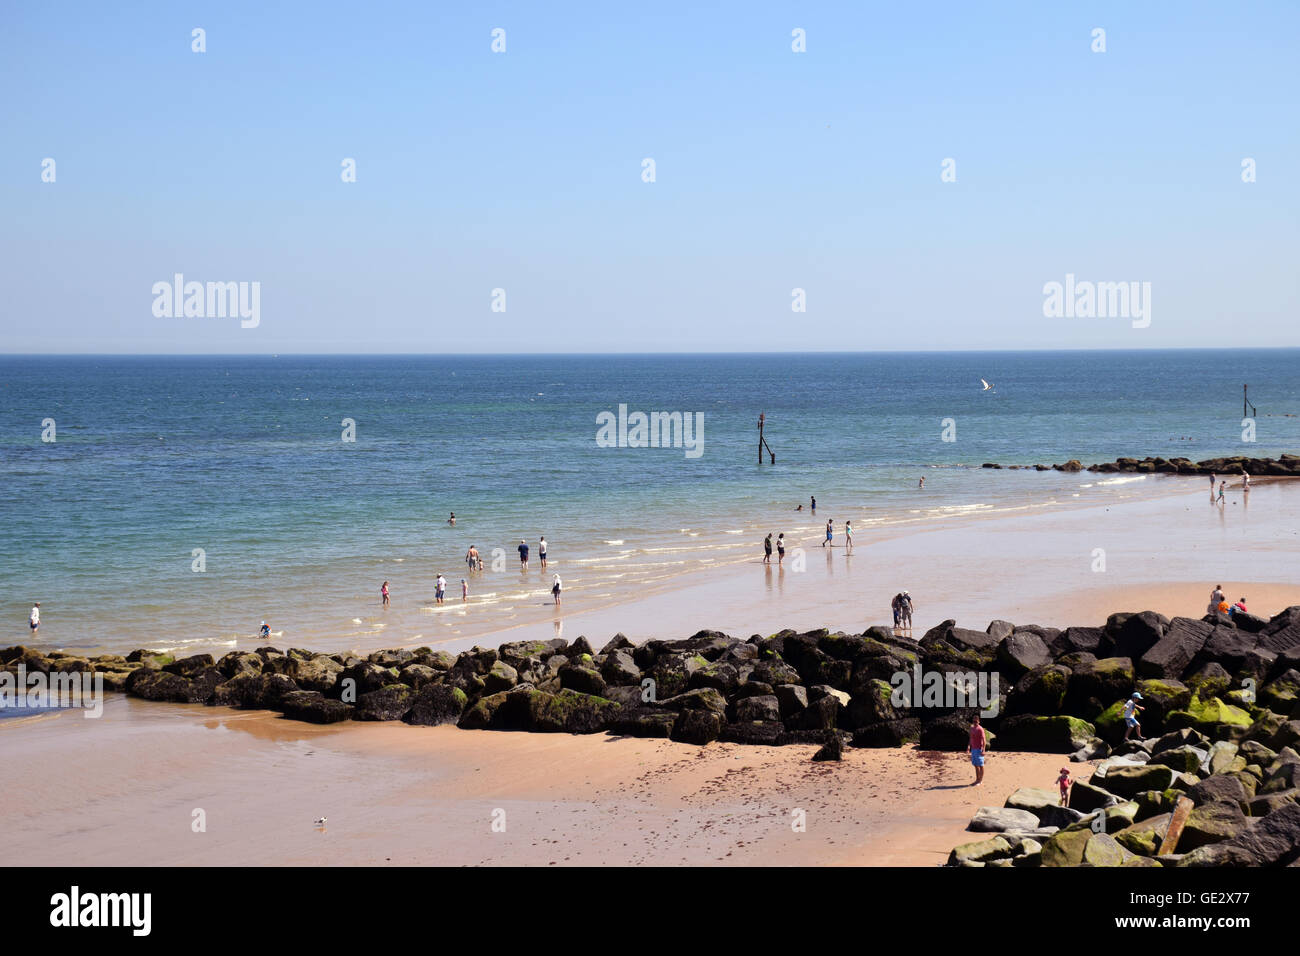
(522, 170)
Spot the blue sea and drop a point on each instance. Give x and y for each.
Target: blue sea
(244, 458)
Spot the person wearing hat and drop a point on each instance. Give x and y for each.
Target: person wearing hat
(1131, 710)
(1064, 781)
(523, 555)
(34, 621)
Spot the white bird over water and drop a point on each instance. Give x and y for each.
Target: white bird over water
(320, 822)
(986, 385)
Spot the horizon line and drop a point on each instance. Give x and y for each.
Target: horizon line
(614, 354)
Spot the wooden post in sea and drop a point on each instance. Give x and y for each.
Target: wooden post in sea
(1245, 404)
(762, 442)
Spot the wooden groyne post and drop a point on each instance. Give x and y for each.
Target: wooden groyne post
(762, 442)
(1245, 404)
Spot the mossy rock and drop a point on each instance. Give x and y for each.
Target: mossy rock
(980, 851)
(1212, 717)
(1144, 838)
(1059, 734)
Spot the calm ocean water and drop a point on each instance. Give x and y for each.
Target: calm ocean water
(243, 458)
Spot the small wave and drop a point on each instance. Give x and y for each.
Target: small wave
(1122, 481)
(618, 541)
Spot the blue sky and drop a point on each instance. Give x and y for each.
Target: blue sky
(522, 171)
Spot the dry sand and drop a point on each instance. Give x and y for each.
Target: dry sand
(122, 790)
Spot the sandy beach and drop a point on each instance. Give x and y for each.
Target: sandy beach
(124, 789)
(401, 795)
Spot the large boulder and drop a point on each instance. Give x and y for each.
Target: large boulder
(1059, 734)
(391, 702)
(1021, 652)
(766, 732)
(314, 707)
(998, 819)
(1128, 781)
(436, 704)
(890, 733)
(318, 673)
(1169, 656)
(1040, 691)
(1136, 634)
(696, 726)
(1212, 823)
(764, 708)
(1095, 685)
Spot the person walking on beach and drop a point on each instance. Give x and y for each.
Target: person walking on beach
(978, 744)
(1131, 710)
(1223, 486)
(473, 560)
(556, 588)
(34, 619)
(830, 533)
(1211, 486)
(848, 537)
(523, 555)
(896, 605)
(442, 587)
(905, 607)
(541, 550)
(464, 590)
(384, 591)
(780, 548)
(1217, 597)
(1064, 781)
(767, 549)
(814, 503)
(1245, 480)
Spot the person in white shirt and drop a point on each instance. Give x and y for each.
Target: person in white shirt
(442, 588)
(541, 551)
(35, 620)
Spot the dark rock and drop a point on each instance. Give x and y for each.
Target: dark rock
(1137, 634)
(1170, 656)
(319, 673)
(391, 702)
(890, 733)
(435, 704)
(767, 732)
(766, 708)
(696, 726)
(1021, 652)
(189, 666)
(833, 749)
(314, 707)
